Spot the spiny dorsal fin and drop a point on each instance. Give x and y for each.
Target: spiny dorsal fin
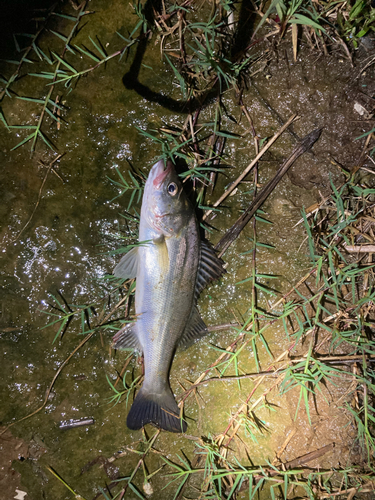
(195, 329)
(128, 265)
(127, 338)
(210, 267)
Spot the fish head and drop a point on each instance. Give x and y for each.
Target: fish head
(165, 205)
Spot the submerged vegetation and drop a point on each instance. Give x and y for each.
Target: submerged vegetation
(327, 317)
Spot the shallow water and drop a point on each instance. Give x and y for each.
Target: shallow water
(65, 249)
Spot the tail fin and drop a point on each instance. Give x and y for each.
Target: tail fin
(158, 409)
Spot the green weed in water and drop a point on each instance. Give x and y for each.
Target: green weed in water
(136, 188)
(125, 392)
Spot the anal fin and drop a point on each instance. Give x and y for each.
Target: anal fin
(126, 338)
(194, 330)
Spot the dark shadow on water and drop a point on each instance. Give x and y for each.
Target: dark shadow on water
(241, 41)
(20, 16)
(244, 31)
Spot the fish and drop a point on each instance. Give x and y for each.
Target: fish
(172, 265)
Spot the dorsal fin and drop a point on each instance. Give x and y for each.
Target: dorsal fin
(210, 267)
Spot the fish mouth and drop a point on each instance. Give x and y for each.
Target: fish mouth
(160, 173)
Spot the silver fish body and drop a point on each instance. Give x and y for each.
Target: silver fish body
(171, 269)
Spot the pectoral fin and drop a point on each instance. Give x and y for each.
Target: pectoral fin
(163, 255)
(210, 267)
(127, 338)
(128, 265)
(195, 329)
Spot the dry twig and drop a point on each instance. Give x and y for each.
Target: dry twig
(250, 166)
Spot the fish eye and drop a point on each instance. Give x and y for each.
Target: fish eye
(172, 189)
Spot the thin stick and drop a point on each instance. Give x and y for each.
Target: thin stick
(360, 249)
(327, 359)
(291, 465)
(251, 165)
(273, 112)
(39, 197)
(233, 233)
(308, 457)
(121, 374)
(368, 488)
(285, 444)
(88, 337)
(243, 408)
(224, 326)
